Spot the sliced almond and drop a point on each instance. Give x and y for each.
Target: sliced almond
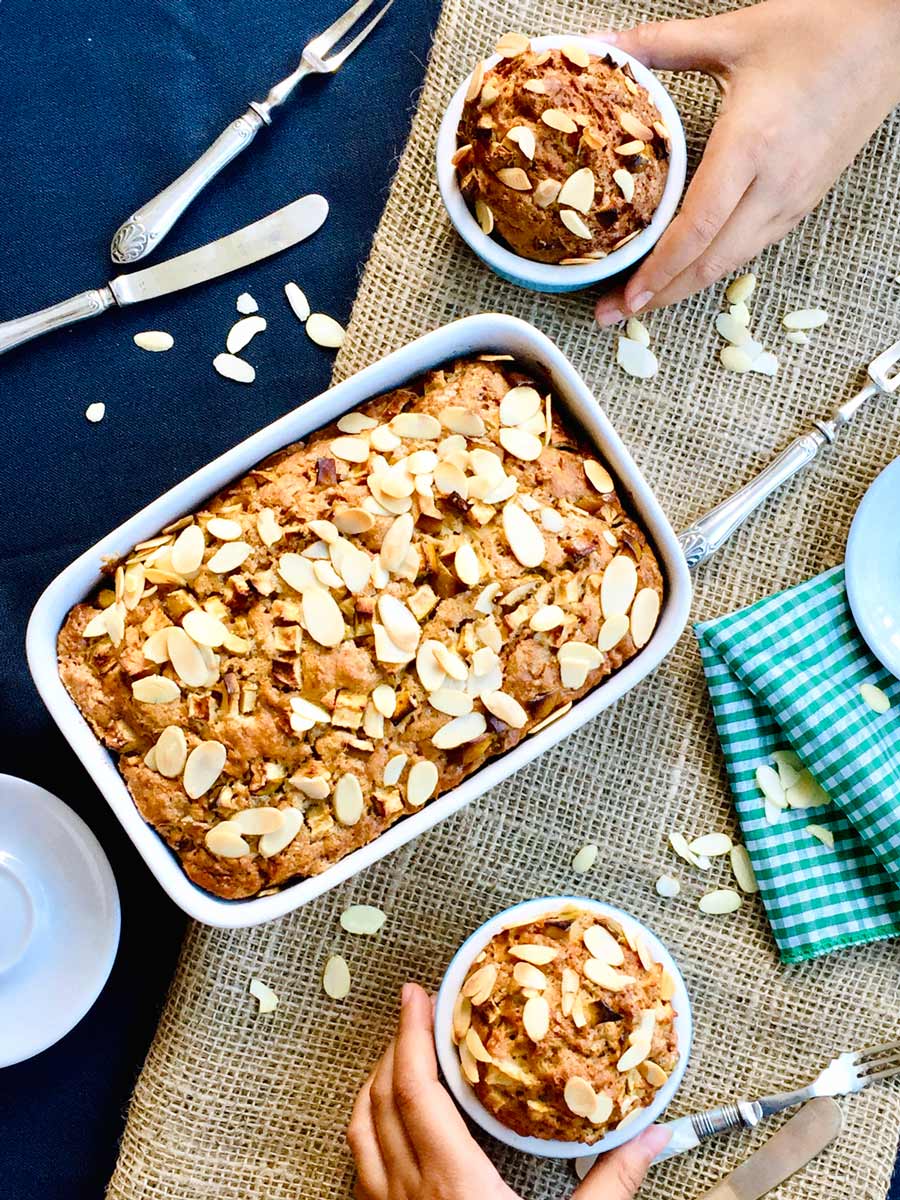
(484, 216)
(740, 289)
(385, 699)
(224, 528)
(296, 571)
(743, 870)
(468, 1064)
(798, 338)
(769, 784)
(480, 984)
(667, 886)
(421, 782)
(187, 551)
(205, 629)
(629, 149)
(577, 55)
(350, 449)
(203, 767)
(229, 557)
(578, 190)
(546, 192)
(476, 1047)
(268, 1000)
(257, 821)
(574, 223)
(354, 520)
(644, 615)
(325, 331)
(393, 769)
(243, 332)
(519, 405)
(875, 698)
(336, 978)
(348, 800)
(155, 689)
(734, 358)
(599, 476)
(822, 834)
(362, 919)
(634, 1055)
(603, 946)
(585, 859)
(559, 120)
(720, 901)
(612, 631)
(711, 845)
(225, 841)
(421, 426)
(635, 126)
(154, 340)
(525, 538)
(547, 617)
(536, 1018)
(618, 585)
(401, 626)
(602, 1110)
(732, 330)
(462, 421)
(527, 975)
(805, 318)
(511, 45)
(524, 138)
(451, 702)
(459, 731)
(605, 976)
(537, 86)
(536, 953)
(520, 443)
(245, 304)
(267, 527)
(476, 79)
(397, 541)
(515, 178)
(171, 752)
(461, 1018)
(506, 708)
(273, 843)
(185, 656)
(636, 360)
(431, 673)
(229, 366)
(580, 1097)
(296, 298)
(466, 564)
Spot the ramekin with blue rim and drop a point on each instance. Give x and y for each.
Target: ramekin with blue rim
(550, 277)
(448, 1055)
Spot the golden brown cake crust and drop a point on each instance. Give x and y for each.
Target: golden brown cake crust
(248, 698)
(586, 1031)
(601, 109)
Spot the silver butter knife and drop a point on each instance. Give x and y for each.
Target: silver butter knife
(145, 229)
(799, 1140)
(274, 233)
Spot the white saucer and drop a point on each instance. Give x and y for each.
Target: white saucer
(59, 919)
(872, 568)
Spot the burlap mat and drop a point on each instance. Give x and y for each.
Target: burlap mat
(232, 1106)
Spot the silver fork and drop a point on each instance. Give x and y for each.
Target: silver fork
(145, 229)
(848, 1073)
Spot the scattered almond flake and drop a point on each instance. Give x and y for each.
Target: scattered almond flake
(875, 698)
(519, 405)
(355, 422)
(273, 843)
(731, 329)
(421, 426)
(546, 192)
(765, 363)
(245, 304)
(393, 769)
(536, 1018)
(535, 85)
(350, 449)
(511, 45)
(743, 870)
(506, 708)
(520, 443)
(806, 793)
(525, 539)
(254, 822)
(229, 557)
(95, 412)
(459, 731)
(155, 340)
(805, 318)
(605, 976)
(679, 844)
(385, 699)
(171, 752)
(421, 782)
(740, 312)
(585, 859)
(629, 237)
(772, 811)
(363, 919)
(618, 585)
(451, 702)
(637, 331)
(484, 217)
(557, 119)
(243, 332)
(577, 55)
(401, 626)
(189, 663)
(476, 1047)
(550, 718)
(625, 183)
(325, 331)
(770, 785)
(348, 799)
(268, 1000)
(824, 835)
(634, 1055)
(740, 289)
(734, 358)
(798, 337)
(667, 886)
(296, 298)
(644, 615)
(187, 550)
(629, 149)
(612, 631)
(636, 360)
(635, 126)
(535, 953)
(603, 946)
(578, 190)
(584, 1164)
(523, 137)
(229, 366)
(155, 689)
(336, 978)
(789, 767)
(653, 1073)
(468, 1064)
(547, 617)
(225, 841)
(466, 565)
(224, 529)
(515, 178)
(475, 81)
(322, 617)
(575, 224)
(203, 767)
(711, 845)
(719, 902)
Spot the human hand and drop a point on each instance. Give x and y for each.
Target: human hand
(411, 1143)
(805, 84)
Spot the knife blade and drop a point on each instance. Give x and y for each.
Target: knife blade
(278, 231)
(798, 1141)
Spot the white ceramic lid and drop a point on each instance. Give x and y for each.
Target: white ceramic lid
(59, 919)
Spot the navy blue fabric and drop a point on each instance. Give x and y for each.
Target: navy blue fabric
(105, 102)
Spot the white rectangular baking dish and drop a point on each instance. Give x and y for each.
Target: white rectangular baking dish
(487, 333)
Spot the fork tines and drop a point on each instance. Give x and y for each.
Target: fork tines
(878, 1062)
(329, 38)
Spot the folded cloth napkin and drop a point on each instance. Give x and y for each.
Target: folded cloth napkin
(786, 673)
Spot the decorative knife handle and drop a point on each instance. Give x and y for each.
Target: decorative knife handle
(57, 316)
(689, 1132)
(705, 537)
(146, 228)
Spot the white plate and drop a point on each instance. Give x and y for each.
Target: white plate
(872, 568)
(487, 333)
(59, 928)
(448, 1057)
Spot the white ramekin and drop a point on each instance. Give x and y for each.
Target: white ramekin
(448, 1057)
(487, 333)
(547, 277)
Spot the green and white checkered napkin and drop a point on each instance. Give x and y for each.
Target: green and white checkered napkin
(785, 673)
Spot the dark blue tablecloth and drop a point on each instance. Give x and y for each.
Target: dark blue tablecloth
(105, 102)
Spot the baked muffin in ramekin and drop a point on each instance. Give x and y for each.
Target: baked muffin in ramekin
(563, 1026)
(560, 160)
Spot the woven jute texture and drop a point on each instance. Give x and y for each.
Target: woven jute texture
(231, 1105)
